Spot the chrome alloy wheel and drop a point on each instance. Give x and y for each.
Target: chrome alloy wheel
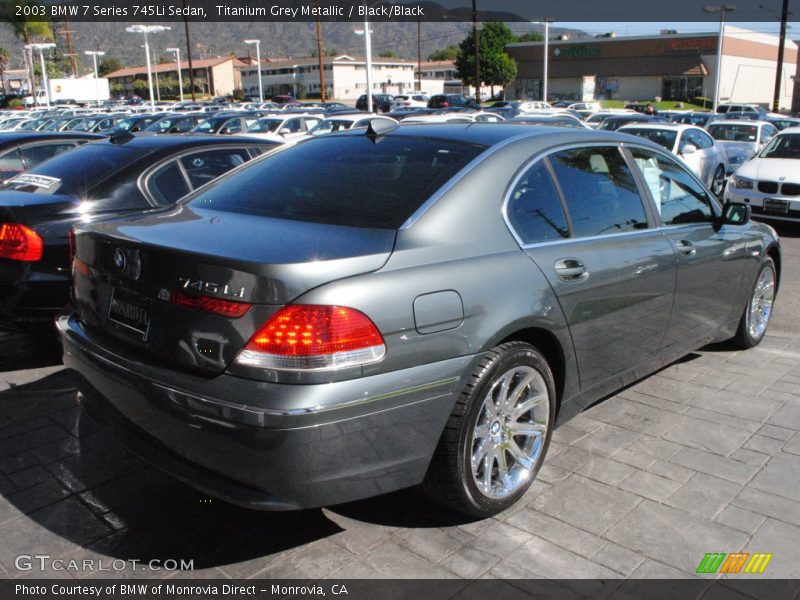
(510, 432)
(760, 309)
(718, 181)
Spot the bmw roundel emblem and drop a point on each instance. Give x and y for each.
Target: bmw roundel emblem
(119, 259)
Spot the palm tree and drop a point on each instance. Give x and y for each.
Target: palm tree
(4, 58)
(25, 30)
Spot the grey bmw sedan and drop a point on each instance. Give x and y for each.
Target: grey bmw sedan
(420, 304)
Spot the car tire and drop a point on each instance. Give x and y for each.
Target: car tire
(483, 427)
(718, 181)
(758, 310)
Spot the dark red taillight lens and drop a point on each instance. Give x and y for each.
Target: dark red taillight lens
(218, 306)
(313, 337)
(19, 242)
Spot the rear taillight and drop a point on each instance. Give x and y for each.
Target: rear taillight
(307, 337)
(19, 242)
(227, 308)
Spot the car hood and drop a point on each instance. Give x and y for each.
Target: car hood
(771, 169)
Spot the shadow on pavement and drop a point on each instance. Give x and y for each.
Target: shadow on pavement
(786, 229)
(73, 480)
(28, 351)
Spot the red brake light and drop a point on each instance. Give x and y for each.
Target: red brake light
(218, 306)
(313, 337)
(19, 242)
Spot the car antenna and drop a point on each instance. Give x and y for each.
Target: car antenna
(378, 128)
(121, 137)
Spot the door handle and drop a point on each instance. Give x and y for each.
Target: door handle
(685, 247)
(570, 269)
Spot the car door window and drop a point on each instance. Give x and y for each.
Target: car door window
(679, 198)
(534, 208)
(11, 164)
(767, 133)
(600, 191)
(33, 155)
(168, 184)
(232, 126)
(206, 165)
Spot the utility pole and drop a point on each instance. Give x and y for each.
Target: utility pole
(70, 50)
(322, 95)
(776, 96)
(188, 49)
(476, 36)
(419, 55)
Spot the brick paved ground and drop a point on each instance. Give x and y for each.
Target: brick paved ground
(704, 456)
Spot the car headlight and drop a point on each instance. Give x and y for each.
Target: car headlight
(742, 183)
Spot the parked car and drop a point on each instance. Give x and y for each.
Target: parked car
(594, 120)
(368, 311)
(770, 182)
(782, 122)
(345, 122)
(284, 99)
(176, 123)
(227, 124)
(121, 175)
(701, 119)
(135, 123)
(452, 101)
(21, 150)
(728, 107)
(380, 102)
(614, 122)
(550, 119)
(407, 100)
(696, 147)
(454, 117)
(741, 139)
(282, 127)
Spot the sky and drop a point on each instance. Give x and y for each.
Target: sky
(644, 28)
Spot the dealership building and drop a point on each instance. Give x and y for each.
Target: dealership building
(672, 66)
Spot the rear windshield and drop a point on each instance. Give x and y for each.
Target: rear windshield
(342, 180)
(662, 137)
(734, 133)
(78, 171)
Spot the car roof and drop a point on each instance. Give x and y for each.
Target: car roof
(492, 134)
(16, 137)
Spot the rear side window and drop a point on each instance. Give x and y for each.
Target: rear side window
(168, 184)
(342, 180)
(41, 152)
(11, 164)
(203, 167)
(534, 209)
(600, 191)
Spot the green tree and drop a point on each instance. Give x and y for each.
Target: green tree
(238, 94)
(108, 65)
(53, 69)
(531, 36)
(387, 54)
(493, 39)
(499, 69)
(448, 53)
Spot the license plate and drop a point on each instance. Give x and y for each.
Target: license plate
(776, 206)
(130, 312)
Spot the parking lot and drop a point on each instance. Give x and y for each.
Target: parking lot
(700, 457)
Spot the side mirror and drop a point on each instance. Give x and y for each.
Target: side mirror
(734, 213)
(688, 149)
(285, 131)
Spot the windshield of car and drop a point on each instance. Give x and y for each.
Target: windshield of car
(265, 126)
(330, 126)
(210, 126)
(783, 146)
(342, 180)
(662, 137)
(733, 132)
(77, 171)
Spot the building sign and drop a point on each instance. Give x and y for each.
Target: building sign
(576, 52)
(693, 45)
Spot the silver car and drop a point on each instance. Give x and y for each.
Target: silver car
(372, 310)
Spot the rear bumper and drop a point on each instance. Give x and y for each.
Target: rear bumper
(265, 445)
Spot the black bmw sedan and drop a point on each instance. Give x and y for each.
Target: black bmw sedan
(121, 175)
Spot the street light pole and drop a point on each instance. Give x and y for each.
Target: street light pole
(41, 48)
(776, 96)
(177, 52)
(476, 37)
(258, 59)
(145, 29)
(721, 9)
(94, 54)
